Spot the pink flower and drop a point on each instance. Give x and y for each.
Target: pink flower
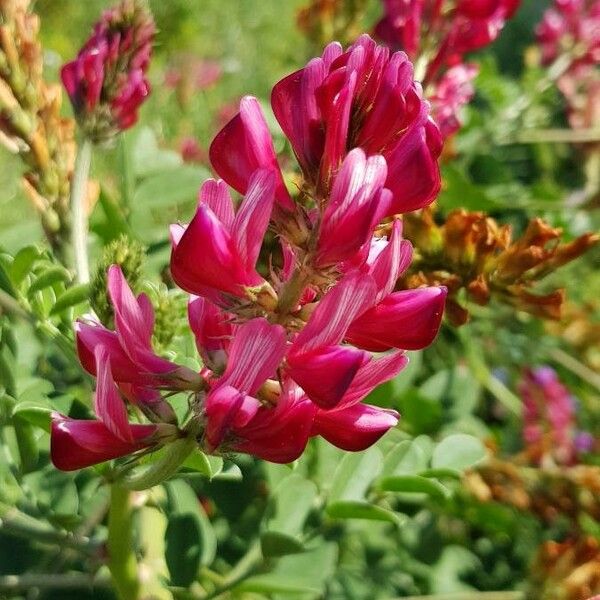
(213, 331)
(215, 255)
(107, 82)
(365, 98)
(129, 347)
(354, 428)
(237, 418)
(357, 204)
(548, 415)
(77, 444)
(362, 98)
(243, 146)
(333, 374)
(453, 91)
(464, 26)
(571, 25)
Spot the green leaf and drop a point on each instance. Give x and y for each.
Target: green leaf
(459, 451)
(209, 466)
(48, 277)
(413, 484)
(348, 509)
(293, 500)
(297, 574)
(354, 475)
(183, 501)
(71, 297)
(23, 262)
(183, 550)
(5, 281)
(406, 458)
(274, 544)
(38, 416)
(422, 413)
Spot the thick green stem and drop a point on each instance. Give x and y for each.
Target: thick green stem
(122, 561)
(79, 234)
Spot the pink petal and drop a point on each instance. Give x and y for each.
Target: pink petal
(413, 171)
(355, 428)
(325, 374)
(294, 104)
(108, 404)
(357, 204)
(281, 439)
(254, 355)
(204, 261)
(391, 262)
(215, 194)
(372, 374)
(253, 216)
(212, 329)
(227, 408)
(243, 146)
(335, 312)
(409, 319)
(77, 444)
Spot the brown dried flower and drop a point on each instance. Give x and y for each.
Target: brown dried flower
(471, 251)
(30, 121)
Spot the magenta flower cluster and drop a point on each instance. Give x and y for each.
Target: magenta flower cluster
(570, 33)
(549, 419)
(107, 81)
(293, 302)
(436, 35)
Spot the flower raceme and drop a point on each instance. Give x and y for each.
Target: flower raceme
(292, 339)
(107, 81)
(437, 35)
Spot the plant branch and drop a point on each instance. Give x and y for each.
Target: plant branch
(79, 210)
(50, 581)
(573, 365)
(122, 561)
(245, 568)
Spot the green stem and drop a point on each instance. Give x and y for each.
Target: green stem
(11, 584)
(19, 524)
(79, 209)
(245, 568)
(572, 364)
(122, 561)
(474, 595)
(127, 177)
(482, 373)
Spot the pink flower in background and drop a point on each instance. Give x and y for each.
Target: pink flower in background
(453, 91)
(191, 151)
(437, 35)
(107, 81)
(416, 26)
(548, 415)
(570, 31)
(571, 26)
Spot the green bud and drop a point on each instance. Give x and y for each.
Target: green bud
(129, 255)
